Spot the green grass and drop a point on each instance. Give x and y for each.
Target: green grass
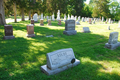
(21, 58)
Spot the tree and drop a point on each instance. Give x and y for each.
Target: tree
(101, 8)
(2, 13)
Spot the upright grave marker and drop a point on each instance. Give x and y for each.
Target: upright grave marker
(32, 21)
(35, 17)
(8, 29)
(49, 22)
(59, 60)
(86, 30)
(70, 27)
(113, 41)
(30, 30)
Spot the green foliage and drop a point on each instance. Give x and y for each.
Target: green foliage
(101, 8)
(21, 58)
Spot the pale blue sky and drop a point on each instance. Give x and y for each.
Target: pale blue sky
(87, 1)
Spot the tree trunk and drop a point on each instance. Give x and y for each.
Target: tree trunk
(15, 12)
(30, 15)
(2, 13)
(22, 11)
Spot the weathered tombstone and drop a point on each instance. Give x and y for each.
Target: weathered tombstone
(59, 60)
(35, 17)
(90, 21)
(49, 22)
(86, 30)
(109, 20)
(108, 27)
(70, 27)
(32, 21)
(102, 19)
(53, 17)
(105, 22)
(83, 20)
(77, 22)
(30, 31)
(113, 41)
(59, 22)
(8, 29)
(41, 22)
(41, 15)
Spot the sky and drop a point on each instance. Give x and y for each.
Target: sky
(87, 1)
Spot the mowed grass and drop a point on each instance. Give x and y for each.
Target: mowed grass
(21, 58)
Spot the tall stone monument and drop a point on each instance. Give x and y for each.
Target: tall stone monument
(58, 15)
(35, 17)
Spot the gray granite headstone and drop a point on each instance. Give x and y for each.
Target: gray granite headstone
(59, 60)
(86, 30)
(70, 27)
(113, 41)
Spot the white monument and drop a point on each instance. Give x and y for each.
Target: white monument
(35, 17)
(58, 15)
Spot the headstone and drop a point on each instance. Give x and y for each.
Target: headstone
(68, 17)
(41, 22)
(102, 19)
(94, 22)
(59, 60)
(70, 27)
(59, 22)
(90, 21)
(79, 18)
(35, 17)
(53, 17)
(86, 30)
(30, 31)
(8, 29)
(58, 15)
(41, 15)
(49, 22)
(32, 21)
(108, 27)
(47, 18)
(109, 20)
(113, 41)
(83, 20)
(77, 23)
(105, 22)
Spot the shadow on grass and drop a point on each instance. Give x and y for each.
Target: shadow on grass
(21, 58)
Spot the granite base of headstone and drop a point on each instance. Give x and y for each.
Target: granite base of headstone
(30, 30)
(49, 22)
(113, 41)
(59, 61)
(41, 22)
(86, 30)
(59, 22)
(70, 27)
(8, 29)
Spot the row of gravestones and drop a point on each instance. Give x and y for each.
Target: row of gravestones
(62, 59)
(42, 24)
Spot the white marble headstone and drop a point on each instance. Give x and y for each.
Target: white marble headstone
(35, 17)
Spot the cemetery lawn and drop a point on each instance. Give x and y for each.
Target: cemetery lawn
(21, 58)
